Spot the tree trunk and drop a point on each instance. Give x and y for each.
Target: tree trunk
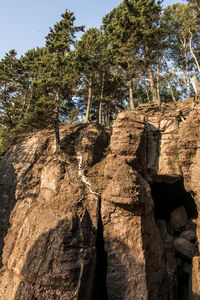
(192, 52)
(104, 115)
(172, 93)
(186, 66)
(132, 106)
(10, 120)
(151, 77)
(196, 85)
(187, 74)
(108, 115)
(147, 92)
(168, 81)
(24, 105)
(152, 85)
(158, 82)
(100, 113)
(101, 98)
(56, 124)
(89, 100)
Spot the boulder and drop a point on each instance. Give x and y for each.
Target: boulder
(191, 225)
(188, 235)
(184, 247)
(179, 218)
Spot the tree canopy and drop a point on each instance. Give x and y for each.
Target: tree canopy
(142, 53)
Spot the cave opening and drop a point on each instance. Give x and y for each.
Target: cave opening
(169, 196)
(175, 213)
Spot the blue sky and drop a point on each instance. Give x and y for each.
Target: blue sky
(25, 23)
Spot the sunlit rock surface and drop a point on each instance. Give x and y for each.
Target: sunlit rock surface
(97, 229)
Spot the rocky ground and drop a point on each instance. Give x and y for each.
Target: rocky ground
(109, 217)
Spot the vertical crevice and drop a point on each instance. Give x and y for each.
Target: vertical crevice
(101, 262)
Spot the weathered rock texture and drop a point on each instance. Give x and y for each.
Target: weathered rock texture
(50, 247)
(81, 224)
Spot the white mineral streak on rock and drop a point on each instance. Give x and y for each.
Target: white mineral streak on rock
(83, 177)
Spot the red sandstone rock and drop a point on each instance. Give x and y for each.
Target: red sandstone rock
(56, 246)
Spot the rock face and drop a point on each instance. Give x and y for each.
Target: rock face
(134, 254)
(82, 223)
(50, 248)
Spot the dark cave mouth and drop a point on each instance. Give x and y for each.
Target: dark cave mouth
(169, 196)
(175, 211)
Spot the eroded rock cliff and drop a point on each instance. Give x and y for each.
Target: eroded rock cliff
(108, 217)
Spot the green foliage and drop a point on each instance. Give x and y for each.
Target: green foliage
(134, 34)
(182, 38)
(140, 54)
(62, 36)
(35, 90)
(107, 151)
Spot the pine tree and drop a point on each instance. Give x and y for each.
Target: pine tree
(182, 36)
(58, 43)
(132, 28)
(91, 62)
(195, 4)
(8, 90)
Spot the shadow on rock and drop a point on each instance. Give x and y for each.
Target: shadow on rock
(62, 263)
(7, 197)
(69, 262)
(86, 139)
(153, 148)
